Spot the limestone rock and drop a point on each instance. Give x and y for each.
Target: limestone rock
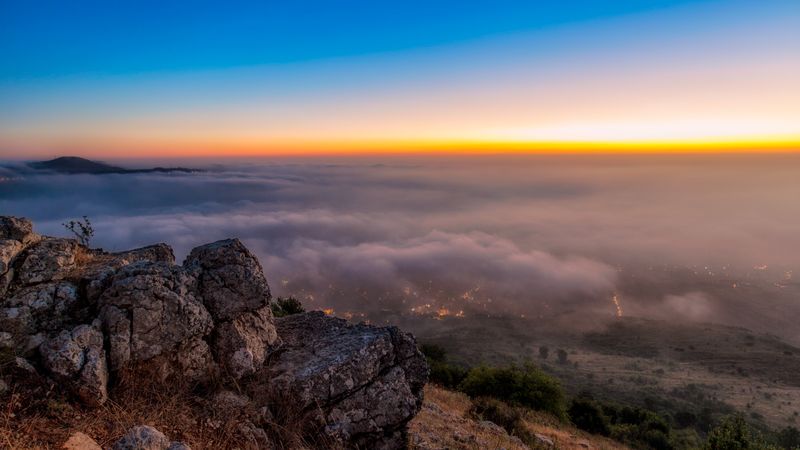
(18, 229)
(232, 286)
(241, 344)
(37, 308)
(9, 249)
(142, 437)
(80, 441)
(98, 273)
(149, 310)
(366, 381)
(78, 357)
(50, 259)
(230, 278)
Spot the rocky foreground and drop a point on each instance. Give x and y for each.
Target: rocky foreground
(87, 322)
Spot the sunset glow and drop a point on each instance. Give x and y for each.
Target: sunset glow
(671, 76)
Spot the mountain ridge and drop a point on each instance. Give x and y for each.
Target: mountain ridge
(77, 165)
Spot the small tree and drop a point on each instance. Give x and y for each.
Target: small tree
(82, 229)
(544, 352)
(562, 356)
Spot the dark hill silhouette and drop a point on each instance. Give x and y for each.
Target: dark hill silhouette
(76, 165)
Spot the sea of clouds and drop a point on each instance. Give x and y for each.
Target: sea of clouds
(523, 235)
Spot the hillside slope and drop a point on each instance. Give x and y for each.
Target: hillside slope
(445, 422)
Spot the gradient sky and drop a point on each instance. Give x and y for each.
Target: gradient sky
(104, 79)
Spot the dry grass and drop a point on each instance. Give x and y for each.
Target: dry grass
(40, 416)
(445, 422)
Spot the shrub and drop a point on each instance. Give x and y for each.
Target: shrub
(733, 433)
(789, 437)
(82, 229)
(562, 356)
(286, 306)
(524, 386)
(442, 373)
(544, 352)
(587, 415)
(434, 352)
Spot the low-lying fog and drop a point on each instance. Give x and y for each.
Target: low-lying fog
(711, 238)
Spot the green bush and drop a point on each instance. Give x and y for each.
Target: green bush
(442, 372)
(523, 386)
(434, 352)
(789, 437)
(588, 415)
(637, 427)
(286, 306)
(734, 434)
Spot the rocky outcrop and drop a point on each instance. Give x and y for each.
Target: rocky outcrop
(365, 382)
(82, 316)
(149, 310)
(232, 286)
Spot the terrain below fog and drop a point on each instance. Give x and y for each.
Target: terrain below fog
(589, 238)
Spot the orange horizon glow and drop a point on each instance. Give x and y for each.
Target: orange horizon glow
(311, 148)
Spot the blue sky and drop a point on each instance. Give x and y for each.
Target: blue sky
(53, 38)
(238, 77)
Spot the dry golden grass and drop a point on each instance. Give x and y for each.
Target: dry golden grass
(40, 416)
(445, 422)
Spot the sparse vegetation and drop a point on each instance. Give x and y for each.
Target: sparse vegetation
(442, 372)
(524, 385)
(286, 306)
(82, 229)
(733, 433)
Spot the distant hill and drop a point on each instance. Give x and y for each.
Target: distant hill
(76, 165)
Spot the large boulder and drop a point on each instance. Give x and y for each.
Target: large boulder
(78, 358)
(365, 382)
(231, 284)
(150, 310)
(230, 278)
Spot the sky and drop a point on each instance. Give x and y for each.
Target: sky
(150, 79)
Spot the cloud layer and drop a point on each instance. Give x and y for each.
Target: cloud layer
(532, 235)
